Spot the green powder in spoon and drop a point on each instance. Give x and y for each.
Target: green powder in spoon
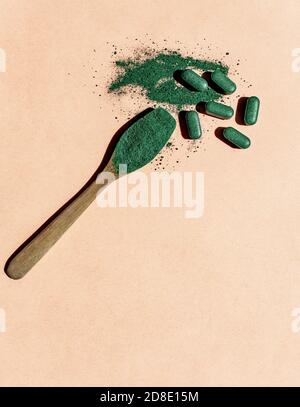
(143, 140)
(155, 76)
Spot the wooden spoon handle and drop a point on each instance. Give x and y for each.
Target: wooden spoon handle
(29, 254)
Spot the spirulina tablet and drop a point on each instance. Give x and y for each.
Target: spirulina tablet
(193, 124)
(251, 111)
(219, 110)
(223, 82)
(236, 138)
(194, 80)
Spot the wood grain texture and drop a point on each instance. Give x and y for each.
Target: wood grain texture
(29, 254)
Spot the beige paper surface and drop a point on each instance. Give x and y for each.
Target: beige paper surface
(146, 296)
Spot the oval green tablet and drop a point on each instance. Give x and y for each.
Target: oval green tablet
(251, 111)
(236, 138)
(225, 83)
(194, 80)
(219, 110)
(193, 124)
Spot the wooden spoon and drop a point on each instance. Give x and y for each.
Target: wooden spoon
(133, 150)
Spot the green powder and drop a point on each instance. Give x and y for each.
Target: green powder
(143, 140)
(154, 75)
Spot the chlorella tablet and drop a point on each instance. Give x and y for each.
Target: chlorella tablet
(236, 138)
(221, 80)
(219, 110)
(193, 124)
(194, 80)
(251, 111)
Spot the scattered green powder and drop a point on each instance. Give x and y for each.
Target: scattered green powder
(143, 140)
(155, 76)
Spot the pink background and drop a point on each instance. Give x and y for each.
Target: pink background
(145, 296)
